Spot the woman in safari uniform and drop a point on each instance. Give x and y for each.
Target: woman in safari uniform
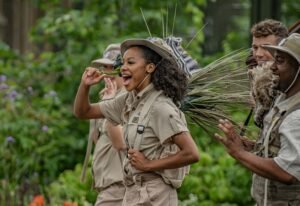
(155, 131)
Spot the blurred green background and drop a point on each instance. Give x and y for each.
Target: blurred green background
(44, 48)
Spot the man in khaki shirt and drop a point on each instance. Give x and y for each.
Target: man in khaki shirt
(107, 158)
(275, 162)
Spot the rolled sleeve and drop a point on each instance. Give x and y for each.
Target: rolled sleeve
(168, 121)
(112, 109)
(289, 154)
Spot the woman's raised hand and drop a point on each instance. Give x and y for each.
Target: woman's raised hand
(91, 76)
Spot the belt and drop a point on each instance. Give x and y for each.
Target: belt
(99, 189)
(139, 179)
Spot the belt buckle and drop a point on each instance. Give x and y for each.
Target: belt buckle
(138, 179)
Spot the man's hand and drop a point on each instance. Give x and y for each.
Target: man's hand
(232, 141)
(248, 143)
(110, 89)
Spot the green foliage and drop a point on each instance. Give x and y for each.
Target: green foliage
(216, 182)
(68, 188)
(239, 35)
(290, 12)
(216, 179)
(41, 141)
(35, 127)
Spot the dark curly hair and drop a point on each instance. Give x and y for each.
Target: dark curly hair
(269, 27)
(166, 77)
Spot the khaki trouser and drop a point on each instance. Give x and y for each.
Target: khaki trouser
(281, 203)
(150, 190)
(111, 196)
(278, 194)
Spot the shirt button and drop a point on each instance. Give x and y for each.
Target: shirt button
(171, 116)
(133, 108)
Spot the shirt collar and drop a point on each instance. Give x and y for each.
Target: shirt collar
(134, 99)
(283, 104)
(144, 92)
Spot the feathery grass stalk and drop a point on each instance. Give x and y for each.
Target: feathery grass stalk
(217, 89)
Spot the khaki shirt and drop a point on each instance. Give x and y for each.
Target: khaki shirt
(165, 121)
(288, 157)
(107, 163)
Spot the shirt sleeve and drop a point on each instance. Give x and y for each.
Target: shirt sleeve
(112, 109)
(289, 154)
(167, 120)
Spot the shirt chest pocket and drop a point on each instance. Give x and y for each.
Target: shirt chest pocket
(137, 134)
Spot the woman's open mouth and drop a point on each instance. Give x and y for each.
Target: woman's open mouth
(126, 79)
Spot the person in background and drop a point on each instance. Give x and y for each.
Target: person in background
(266, 32)
(275, 162)
(159, 144)
(108, 138)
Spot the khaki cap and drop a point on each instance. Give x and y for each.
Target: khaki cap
(109, 55)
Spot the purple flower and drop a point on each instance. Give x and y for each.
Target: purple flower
(12, 95)
(3, 86)
(10, 139)
(45, 128)
(2, 78)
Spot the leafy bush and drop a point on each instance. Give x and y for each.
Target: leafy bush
(41, 141)
(68, 188)
(35, 127)
(216, 179)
